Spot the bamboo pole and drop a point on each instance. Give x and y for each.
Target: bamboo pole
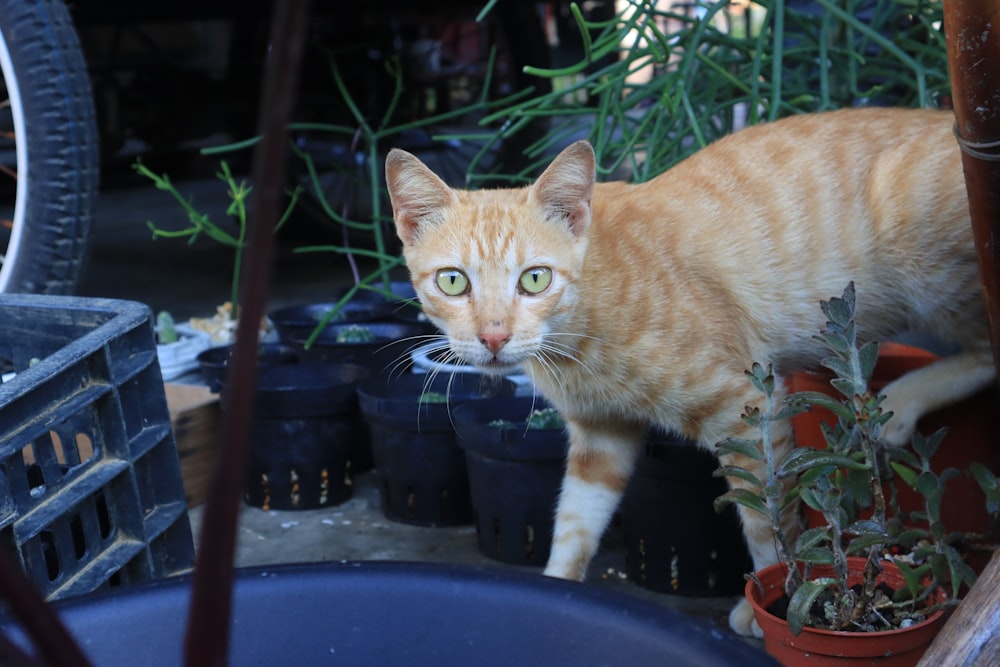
(972, 635)
(972, 28)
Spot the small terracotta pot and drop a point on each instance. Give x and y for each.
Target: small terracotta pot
(815, 648)
(973, 425)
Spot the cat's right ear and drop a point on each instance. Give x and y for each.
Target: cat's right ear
(565, 188)
(418, 196)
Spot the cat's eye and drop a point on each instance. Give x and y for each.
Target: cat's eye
(452, 282)
(535, 280)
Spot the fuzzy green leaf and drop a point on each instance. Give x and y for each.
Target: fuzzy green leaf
(802, 601)
(907, 474)
(748, 448)
(762, 379)
(803, 458)
(773, 490)
(839, 311)
(911, 536)
(868, 355)
(858, 488)
(812, 537)
(831, 500)
(820, 400)
(815, 556)
(862, 543)
(987, 480)
(990, 485)
(940, 567)
(737, 472)
(866, 527)
(789, 410)
(959, 571)
(811, 476)
(840, 367)
(845, 387)
(811, 498)
(937, 531)
(925, 447)
(741, 497)
(911, 577)
(835, 339)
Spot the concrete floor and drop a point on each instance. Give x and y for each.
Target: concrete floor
(190, 281)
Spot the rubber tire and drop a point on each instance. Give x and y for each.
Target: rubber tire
(58, 159)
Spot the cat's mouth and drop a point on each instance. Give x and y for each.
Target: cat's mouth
(497, 366)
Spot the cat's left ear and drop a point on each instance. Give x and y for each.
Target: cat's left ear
(418, 196)
(565, 188)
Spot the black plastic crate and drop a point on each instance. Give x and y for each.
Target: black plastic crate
(91, 494)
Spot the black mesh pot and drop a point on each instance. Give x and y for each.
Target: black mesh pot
(299, 321)
(390, 346)
(306, 431)
(514, 477)
(421, 470)
(675, 541)
(214, 362)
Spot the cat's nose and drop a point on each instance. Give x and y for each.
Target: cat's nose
(494, 340)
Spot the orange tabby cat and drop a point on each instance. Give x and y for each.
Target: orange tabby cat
(636, 304)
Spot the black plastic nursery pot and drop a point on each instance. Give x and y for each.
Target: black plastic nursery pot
(299, 321)
(514, 477)
(387, 350)
(378, 614)
(214, 361)
(408, 309)
(675, 541)
(307, 431)
(421, 469)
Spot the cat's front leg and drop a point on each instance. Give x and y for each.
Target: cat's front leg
(601, 458)
(757, 528)
(933, 387)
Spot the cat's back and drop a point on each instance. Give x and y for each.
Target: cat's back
(821, 165)
(784, 214)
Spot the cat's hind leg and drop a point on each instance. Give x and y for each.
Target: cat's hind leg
(932, 387)
(600, 462)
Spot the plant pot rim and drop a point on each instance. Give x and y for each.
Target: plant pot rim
(753, 595)
(423, 360)
(354, 606)
(510, 442)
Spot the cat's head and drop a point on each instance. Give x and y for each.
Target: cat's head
(496, 270)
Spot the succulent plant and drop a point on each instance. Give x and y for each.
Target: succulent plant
(843, 483)
(166, 331)
(355, 334)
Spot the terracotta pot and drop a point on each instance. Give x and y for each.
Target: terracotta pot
(973, 425)
(815, 648)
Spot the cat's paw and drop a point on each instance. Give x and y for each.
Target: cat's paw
(900, 427)
(742, 621)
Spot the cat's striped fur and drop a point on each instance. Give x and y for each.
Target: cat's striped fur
(662, 293)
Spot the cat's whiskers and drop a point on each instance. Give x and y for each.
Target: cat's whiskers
(551, 364)
(550, 345)
(405, 359)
